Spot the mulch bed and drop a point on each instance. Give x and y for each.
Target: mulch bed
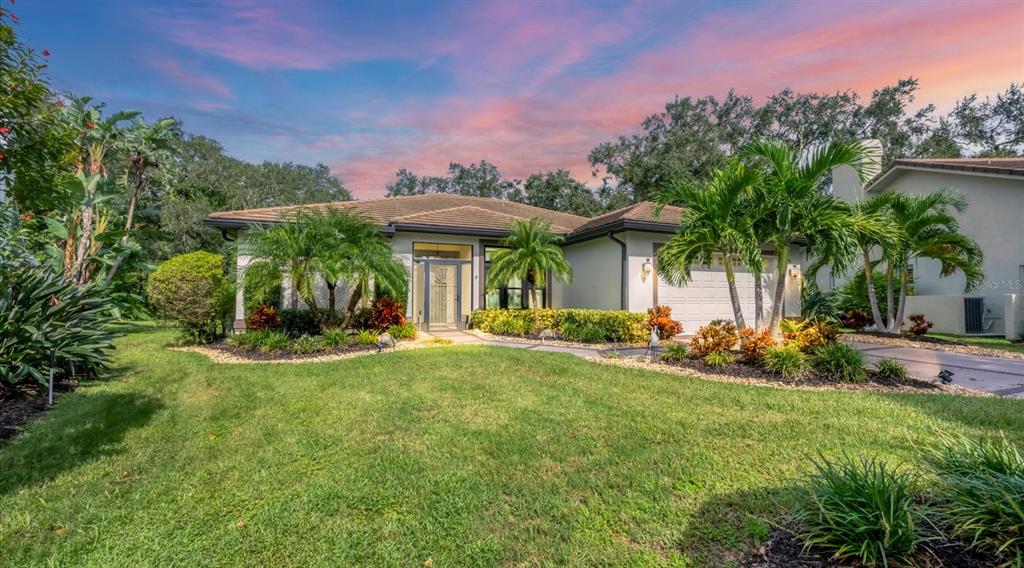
(926, 342)
(785, 549)
(750, 374)
(16, 411)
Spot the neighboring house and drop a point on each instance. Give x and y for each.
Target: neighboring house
(994, 189)
(446, 241)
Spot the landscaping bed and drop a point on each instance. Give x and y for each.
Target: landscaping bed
(18, 409)
(928, 342)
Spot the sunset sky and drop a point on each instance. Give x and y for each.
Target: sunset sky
(368, 88)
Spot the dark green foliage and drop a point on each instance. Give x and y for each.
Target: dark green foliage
(260, 341)
(674, 352)
(981, 482)
(334, 338)
(297, 322)
(40, 313)
(786, 361)
(818, 305)
(191, 290)
(615, 325)
(864, 510)
(854, 293)
(891, 369)
(306, 344)
(839, 362)
(583, 332)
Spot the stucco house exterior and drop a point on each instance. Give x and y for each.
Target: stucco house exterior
(446, 242)
(994, 189)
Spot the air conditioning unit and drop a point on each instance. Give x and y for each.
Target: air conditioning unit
(974, 313)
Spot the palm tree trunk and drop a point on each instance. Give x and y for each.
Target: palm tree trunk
(331, 286)
(136, 188)
(897, 324)
(353, 301)
(69, 245)
(734, 295)
(890, 305)
(872, 293)
(758, 301)
(780, 287)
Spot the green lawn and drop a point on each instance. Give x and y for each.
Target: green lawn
(462, 455)
(989, 342)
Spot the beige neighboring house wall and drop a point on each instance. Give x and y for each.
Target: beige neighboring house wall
(994, 218)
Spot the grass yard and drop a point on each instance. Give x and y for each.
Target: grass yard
(456, 455)
(988, 342)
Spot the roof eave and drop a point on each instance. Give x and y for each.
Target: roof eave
(620, 225)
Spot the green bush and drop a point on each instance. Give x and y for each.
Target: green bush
(40, 312)
(305, 345)
(674, 352)
(367, 337)
(718, 359)
(891, 369)
(615, 325)
(298, 322)
(265, 341)
(839, 362)
(864, 510)
(786, 360)
(982, 486)
(854, 294)
(404, 331)
(584, 333)
(191, 289)
(334, 338)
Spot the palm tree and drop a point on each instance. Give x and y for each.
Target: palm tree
(796, 207)
(711, 227)
(930, 230)
(531, 252)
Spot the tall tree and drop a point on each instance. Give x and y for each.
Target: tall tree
(482, 179)
(531, 252)
(558, 191)
(712, 228)
(993, 127)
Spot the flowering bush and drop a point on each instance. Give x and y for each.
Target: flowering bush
(385, 313)
(717, 336)
(754, 343)
(263, 317)
(919, 325)
(660, 317)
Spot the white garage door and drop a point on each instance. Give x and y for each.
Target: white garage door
(706, 296)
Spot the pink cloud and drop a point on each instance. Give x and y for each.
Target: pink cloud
(196, 80)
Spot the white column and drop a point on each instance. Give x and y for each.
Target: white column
(1013, 316)
(242, 263)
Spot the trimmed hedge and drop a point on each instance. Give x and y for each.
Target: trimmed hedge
(613, 325)
(192, 290)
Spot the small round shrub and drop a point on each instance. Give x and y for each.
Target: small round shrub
(717, 336)
(335, 338)
(918, 325)
(754, 343)
(306, 344)
(891, 369)
(584, 333)
(718, 359)
(263, 317)
(191, 289)
(674, 352)
(786, 361)
(405, 331)
(856, 320)
(840, 362)
(367, 337)
(808, 335)
(660, 317)
(864, 510)
(297, 322)
(385, 313)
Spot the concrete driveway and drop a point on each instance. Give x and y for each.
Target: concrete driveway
(991, 374)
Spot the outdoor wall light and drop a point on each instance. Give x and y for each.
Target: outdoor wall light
(646, 270)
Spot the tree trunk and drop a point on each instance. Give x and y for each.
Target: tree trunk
(780, 287)
(872, 294)
(890, 305)
(69, 245)
(331, 287)
(758, 301)
(353, 301)
(897, 325)
(135, 181)
(734, 296)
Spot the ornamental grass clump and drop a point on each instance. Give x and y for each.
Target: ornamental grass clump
(839, 362)
(718, 360)
(305, 345)
(864, 510)
(335, 338)
(981, 484)
(674, 352)
(786, 361)
(265, 341)
(367, 337)
(892, 370)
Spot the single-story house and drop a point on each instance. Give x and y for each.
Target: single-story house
(446, 242)
(994, 188)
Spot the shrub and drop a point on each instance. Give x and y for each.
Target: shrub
(891, 369)
(840, 362)
(716, 337)
(856, 320)
(615, 325)
(816, 304)
(808, 336)
(40, 312)
(385, 313)
(263, 317)
(361, 318)
(720, 359)
(367, 337)
(298, 322)
(674, 352)
(919, 325)
(785, 360)
(862, 509)
(191, 290)
(405, 331)
(584, 333)
(266, 341)
(334, 338)
(982, 485)
(660, 317)
(305, 345)
(754, 344)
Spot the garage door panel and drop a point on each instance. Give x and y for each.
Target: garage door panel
(706, 296)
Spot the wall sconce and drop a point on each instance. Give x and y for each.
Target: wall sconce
(646, 270)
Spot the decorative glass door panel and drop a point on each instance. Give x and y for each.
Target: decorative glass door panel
(443, 295)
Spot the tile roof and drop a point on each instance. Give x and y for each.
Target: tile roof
(1000, 166)
(457, 212)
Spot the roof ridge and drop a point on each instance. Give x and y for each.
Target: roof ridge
(433, 211)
